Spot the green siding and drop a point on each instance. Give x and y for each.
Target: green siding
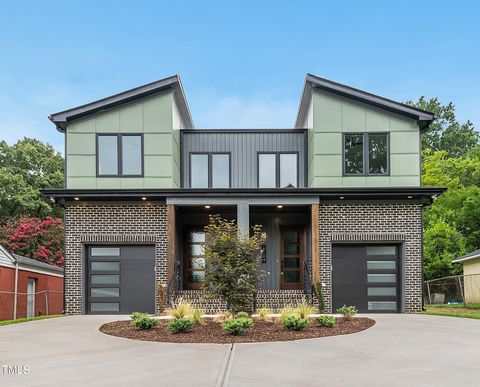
(334, 115)
(154, 117)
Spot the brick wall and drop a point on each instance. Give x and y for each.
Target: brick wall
(368, 222)
(87, 223)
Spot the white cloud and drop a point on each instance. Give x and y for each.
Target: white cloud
(211, 110)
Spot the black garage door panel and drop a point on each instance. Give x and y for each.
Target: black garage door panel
(121, 279)
(358, 269)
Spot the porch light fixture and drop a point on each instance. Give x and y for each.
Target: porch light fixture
(410, 196)
(207, 207)
(76, 198)
(279, 206)
(144, 198)
(342, 197)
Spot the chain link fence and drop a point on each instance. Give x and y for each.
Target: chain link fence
(458, 289)
(18, 305)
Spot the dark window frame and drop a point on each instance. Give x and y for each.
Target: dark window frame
(277, 166)
(120, 154)
(365, 150)
(210, 167)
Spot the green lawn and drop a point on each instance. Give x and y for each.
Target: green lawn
(458, 310)
(25, 319)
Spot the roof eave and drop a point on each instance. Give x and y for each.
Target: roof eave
(61, 119)
(423, 117)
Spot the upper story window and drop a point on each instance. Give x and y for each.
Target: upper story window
(366, 154)
(277, 170)
(119, 155)
(209, 170)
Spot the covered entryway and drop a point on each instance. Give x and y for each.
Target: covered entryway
(366, 276)
(120, 279)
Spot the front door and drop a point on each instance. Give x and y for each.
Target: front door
(292, 253)
(31, 297)
(194, 258)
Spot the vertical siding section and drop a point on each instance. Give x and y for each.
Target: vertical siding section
(243, 147)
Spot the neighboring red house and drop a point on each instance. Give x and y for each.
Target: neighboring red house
(38, 285)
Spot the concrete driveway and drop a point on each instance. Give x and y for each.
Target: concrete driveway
(399, 350)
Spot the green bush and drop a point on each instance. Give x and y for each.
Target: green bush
(295, 323)
(242, 315)
(347, 311)
(145, 322)
(136, 315)
(326, 321)
(237, 326)
(179, 325)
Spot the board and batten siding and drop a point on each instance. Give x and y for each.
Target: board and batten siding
(334, 115)
(244, 147)
(156, 117)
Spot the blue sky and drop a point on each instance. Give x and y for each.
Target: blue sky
(242, 63)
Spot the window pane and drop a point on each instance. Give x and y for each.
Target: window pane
(382, 291)
(107, 155)
(381, 277)
(382, 305)
(106, 279)
(197, 263)
(220, 171)
(291, 263)
(267, 171)
(110, 266)
(291, 236)
(381, 250)
(196, 276)
(199, 171)
(288, 170)
(354, 154)
(197, 249)
(381, 265)
(377, 154)
(104, 306)
(105, 251)
(105, 292)
(197, 236)
(291, 276)
(132, 155)
(291, 248)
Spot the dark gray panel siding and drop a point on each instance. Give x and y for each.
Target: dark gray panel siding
(243, 147)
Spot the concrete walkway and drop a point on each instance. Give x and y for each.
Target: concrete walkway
(399, 350)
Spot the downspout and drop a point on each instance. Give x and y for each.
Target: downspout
(15, 292)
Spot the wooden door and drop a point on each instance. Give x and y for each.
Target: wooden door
(194, 258)
(292, 253)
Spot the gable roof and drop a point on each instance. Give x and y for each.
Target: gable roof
(467, 257)
(61, 119)
(33, 262)
(313, 82)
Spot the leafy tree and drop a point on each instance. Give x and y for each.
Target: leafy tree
(446, 133)
(232, 262)
(40, 239)
(25, 168)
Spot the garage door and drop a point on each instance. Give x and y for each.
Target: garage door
(366, 276)
(120, 279)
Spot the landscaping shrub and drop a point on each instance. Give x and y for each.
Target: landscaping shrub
(347, 311)
(295, 323)
(263, 314)
(144, 321)
(197, 316)
(318, 287)
(326, 321)
(304, 309)
(237, 326)
(136, 315)
(242, 315)
(179, 325)
(182, 310)
(286, 312)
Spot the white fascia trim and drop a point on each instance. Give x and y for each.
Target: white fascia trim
(33, 269)
(466, 259)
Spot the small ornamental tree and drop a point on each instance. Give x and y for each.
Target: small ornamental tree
(232, 262)
(36, 238)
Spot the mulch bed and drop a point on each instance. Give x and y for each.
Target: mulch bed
(211, 332)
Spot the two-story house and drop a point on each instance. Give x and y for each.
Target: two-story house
(339, 197)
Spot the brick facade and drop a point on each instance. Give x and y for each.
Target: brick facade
(85, 224)
(369, 222)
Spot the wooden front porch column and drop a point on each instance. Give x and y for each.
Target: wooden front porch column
(315, 244)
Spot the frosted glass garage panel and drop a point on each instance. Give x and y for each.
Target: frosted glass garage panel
(375, 278)
(105, 252)
(382, 250)
(106, 279)
(381, 265)
(105, 292)
(382, 305)
(105, 306)
(105, 266)
(382, 291)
